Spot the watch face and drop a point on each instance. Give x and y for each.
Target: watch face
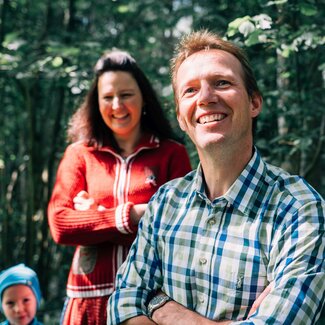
(157, 300)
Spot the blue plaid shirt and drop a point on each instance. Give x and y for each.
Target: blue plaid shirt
(215, 258)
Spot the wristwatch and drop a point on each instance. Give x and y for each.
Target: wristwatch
(157, 302)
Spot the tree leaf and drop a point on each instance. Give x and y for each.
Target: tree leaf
(246, 28)
(307, 9)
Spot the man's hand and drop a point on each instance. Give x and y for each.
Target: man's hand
(172, 313)
(260, 298)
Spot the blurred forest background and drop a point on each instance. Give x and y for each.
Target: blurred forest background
(48, 49)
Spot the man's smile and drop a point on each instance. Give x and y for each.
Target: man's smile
(211, 118)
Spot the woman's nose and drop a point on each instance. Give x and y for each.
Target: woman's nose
(116, 102)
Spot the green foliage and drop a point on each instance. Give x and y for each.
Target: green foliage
(291, 37)
(48, 49)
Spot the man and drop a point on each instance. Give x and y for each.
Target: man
(236, 230)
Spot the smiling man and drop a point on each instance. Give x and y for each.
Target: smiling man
(236, 230)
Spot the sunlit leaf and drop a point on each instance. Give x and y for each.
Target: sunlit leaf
(263, 21)
(57, 62)
(276, 2)
(246, 28)
(252, 39)
(234, 25)
(122, 9)
(307, 9)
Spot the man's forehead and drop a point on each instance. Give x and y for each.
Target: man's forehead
(209, 55)
(203, 61)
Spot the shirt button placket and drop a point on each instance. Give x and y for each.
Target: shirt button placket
(212, 222)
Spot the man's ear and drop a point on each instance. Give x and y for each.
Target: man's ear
(256, 104)
(180, 122)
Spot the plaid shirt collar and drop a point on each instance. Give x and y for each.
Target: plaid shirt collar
(245, 192)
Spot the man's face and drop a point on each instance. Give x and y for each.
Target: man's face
(214, 106)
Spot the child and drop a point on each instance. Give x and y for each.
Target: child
(20, 295)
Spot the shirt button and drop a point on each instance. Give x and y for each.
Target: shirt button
(201, 299)
(212, 221)
(203, 260)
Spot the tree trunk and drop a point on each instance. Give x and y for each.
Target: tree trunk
(5, 7)
(44, 262)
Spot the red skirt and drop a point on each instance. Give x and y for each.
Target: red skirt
(85, 311)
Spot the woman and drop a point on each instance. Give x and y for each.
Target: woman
(121, 153)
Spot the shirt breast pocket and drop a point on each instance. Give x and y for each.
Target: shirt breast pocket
(247, 286)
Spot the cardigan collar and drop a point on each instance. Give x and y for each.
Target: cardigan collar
(148, 141)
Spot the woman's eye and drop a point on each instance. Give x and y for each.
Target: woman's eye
(126, 95)
(108, 98)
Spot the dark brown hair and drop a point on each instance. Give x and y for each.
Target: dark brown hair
(87, 124)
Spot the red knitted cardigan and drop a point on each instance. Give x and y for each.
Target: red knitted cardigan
(103, 238)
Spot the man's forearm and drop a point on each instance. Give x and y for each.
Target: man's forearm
(173, 313)
(139, 320)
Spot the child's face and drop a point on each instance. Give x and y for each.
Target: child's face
(19, 304)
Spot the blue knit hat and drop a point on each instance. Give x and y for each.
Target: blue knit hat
(20, 274)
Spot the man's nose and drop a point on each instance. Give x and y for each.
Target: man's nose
(206, 95)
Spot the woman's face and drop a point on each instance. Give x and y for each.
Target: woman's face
(120, 104)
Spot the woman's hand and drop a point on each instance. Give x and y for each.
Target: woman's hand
(137, 212)
(83, 202)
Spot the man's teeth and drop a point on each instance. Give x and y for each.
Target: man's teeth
(211, 118)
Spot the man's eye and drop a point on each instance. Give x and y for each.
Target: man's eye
(108, 98)
(189, 90)
(222, 83)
